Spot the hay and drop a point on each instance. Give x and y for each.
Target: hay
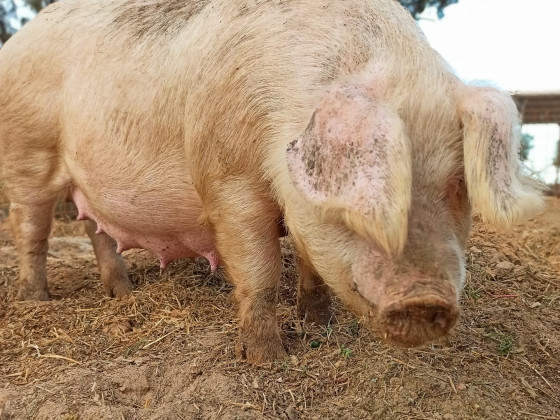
(167, 351)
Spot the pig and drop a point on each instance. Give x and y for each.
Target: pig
(192, 128)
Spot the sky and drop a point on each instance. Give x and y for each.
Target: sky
(513, 44)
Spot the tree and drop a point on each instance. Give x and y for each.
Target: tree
(7, 11)
(13, 15)
(416, 7)
(11, 18)
(37, 5)
(526, 146)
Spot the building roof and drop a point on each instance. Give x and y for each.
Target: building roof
(538, 107)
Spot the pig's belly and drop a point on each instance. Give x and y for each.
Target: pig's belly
(186, 239)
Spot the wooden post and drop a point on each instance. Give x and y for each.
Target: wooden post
(556, 163)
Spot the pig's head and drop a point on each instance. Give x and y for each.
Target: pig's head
(388, 212)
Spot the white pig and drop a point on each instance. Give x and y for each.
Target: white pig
(192, 127)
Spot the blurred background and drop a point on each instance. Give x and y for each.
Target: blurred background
(512, 45)
(507, 43)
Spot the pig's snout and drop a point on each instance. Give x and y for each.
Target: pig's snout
(411, 300)
(416, 320)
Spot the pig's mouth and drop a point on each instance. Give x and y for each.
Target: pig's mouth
(415, 315)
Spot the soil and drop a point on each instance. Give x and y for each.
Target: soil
(167, 350)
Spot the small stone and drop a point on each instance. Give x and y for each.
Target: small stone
(461, 387)
(255, 383)
(475, 250)
(448, 416)
(505, 265)
(118, 327)
(292, 413)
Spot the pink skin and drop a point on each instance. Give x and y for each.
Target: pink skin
(180, 244)
(345, 124)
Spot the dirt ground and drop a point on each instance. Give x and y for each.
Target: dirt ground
(167, 351)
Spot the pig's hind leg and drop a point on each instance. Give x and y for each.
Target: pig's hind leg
(31, 226)
(313, 298)
(111, 265)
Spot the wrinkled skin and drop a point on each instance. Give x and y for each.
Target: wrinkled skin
(191, 128)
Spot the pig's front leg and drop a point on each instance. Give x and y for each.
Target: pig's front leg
(313, 298)
(246, 229)
(111, 265)
(31, 226)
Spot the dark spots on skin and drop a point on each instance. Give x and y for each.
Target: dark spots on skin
(292, 145)
(311, 152)
(498, 161)
(311, 126)
(310, 166)
(313, 159)
(157, 18)
(244, 10)
(256, 7)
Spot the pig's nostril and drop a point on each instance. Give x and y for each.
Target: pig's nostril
(415, 321)
(440, 318)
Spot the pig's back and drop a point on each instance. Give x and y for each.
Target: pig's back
(133, 91)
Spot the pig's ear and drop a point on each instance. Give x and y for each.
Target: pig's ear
(353, 163)
(497, 186)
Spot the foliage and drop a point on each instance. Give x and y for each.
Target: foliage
(345, 351)
(556, 161)
(416, 7)
(39, 4)
(14, 14)
(526, 146)
(505, 341)
(7, 10)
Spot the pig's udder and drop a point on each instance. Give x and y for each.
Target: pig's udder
(183, 243)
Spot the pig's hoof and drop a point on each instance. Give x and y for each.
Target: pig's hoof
(264, 353)
(115, 280)
(118, 286)
(28, 293)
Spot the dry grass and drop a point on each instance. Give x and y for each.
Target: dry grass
(167, 351)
